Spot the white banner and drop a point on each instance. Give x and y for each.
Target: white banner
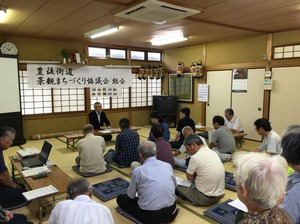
(66, 76)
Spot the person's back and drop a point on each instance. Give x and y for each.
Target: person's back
(127, 143)
(209, 170)
(224, 140)
(155, 183)
(164, 151)
(79, 208)
(91, 149)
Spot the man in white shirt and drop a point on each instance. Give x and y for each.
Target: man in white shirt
(233, 122)
(271, 141)
(79, 208)
(205, 171)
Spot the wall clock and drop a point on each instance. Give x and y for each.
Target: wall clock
(9, 48)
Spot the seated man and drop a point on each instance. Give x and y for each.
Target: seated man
(183, 163)
(10, 191)
(79, 206)
(163, 148)
(260, 183)
(126, 147)
(233, 122)
(155, 183)
(184, 120)
(271, 141)
(222, 142)
(98, 118)
(205, 171)
(157, 119)
(90, 150)
(291, 152)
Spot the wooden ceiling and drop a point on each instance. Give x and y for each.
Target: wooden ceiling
(220, 20)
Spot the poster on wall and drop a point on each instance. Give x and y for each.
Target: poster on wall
(106, 92)
(181, 86)
(203, 92)
(240, 80)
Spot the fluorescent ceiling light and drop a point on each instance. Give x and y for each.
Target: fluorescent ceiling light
(168, 39)
(102, 31)
(2, 13)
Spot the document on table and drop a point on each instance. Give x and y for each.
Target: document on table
(239, 205)
(183, 182)
(35, 171)
(107, 130)
(40, 192)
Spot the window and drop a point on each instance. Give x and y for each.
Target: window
(117, 53)
(98, 52)
(292, 51)
(39, 101)
(154, 56)
(137, 55)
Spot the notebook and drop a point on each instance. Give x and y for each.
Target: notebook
(40, 159)
(28, 152)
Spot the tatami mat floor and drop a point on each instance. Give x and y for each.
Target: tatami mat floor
(65, 159)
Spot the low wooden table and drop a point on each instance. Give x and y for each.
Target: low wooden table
(237, 136)
(73, 138)
(57, 178)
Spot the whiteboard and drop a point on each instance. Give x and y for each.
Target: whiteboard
(9, 87)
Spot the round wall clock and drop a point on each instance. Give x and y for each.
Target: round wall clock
(9, 48)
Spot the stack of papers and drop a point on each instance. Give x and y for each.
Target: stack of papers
(107, 130)
(24, 153)
(35, 171)
(40, 192)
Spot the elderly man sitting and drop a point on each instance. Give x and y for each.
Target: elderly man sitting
(155, 183)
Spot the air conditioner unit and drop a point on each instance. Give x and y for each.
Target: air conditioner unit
(153, 11)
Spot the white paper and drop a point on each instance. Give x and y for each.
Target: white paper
(28, 152)
(238, 204)
(203, 92)
(183, 182)
(199, 126)
(107, 130)
(40, 192)
(35, 171)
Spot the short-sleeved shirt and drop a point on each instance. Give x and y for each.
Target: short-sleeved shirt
(91, 149)
(224, 140)
(127, 142)
(210, 173)
(271, 143)
(155, 183)
(235, 123)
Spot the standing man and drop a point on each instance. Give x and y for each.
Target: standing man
(271, 141)
(205, 171)
(222, 142)
(98, 118)
(79, 208)
(126, 147)
(155, 183)
(233, 122)
(91, 149)
(10, 191)
(185, 120)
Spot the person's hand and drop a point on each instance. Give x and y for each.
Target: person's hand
(8, 216)
(108, 127)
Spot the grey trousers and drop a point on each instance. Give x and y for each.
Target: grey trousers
(196, 197)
